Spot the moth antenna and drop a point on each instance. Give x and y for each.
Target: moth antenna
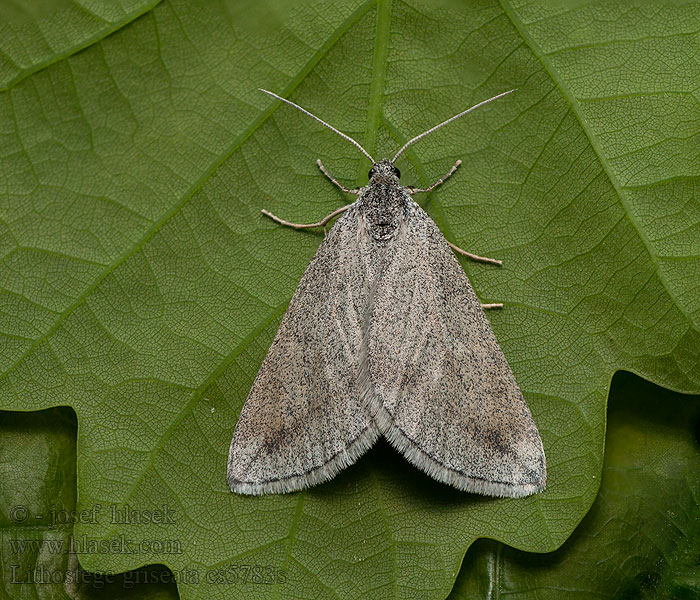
(422, 135)
(321, 121)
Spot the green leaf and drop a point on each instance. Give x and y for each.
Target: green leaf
(141, 286)
(641, 538)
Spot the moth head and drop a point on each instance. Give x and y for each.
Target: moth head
(384, 170)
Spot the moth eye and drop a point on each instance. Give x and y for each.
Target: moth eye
(397, 172)
(371, 173)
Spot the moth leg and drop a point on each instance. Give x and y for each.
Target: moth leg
(412, 190)
(356, 191)
(476, 257)
(488, 306)
(321, 223)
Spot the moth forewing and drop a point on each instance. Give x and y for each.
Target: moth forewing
(446, 397)
(305, 418)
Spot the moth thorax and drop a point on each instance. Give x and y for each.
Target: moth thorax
(384, 214)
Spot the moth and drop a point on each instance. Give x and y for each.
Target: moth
(385, 336)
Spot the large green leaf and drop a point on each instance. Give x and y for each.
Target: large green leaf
(141, 286)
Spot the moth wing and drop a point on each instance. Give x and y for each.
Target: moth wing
(445, 396)
(306, 416)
